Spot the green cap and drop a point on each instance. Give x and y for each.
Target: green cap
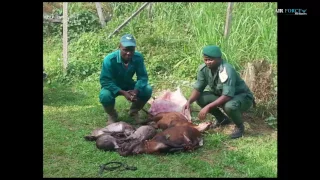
(128, 40)
(212, 51)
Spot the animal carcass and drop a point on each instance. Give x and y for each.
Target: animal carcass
(176, 138)
(106, 138)
(106, 142)
(114, 128)
(119, 134)
(165, 120)
(141, 134)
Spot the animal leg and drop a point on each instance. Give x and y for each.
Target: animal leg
(186, 139)
(175, 149)
(90, 138)
(167, 142)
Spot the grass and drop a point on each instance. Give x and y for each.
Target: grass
(172, 45)
(71, 112)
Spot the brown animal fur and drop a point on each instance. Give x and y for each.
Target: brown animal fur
(172, 139)
(169, 119)
(164, 119)
(201, 127)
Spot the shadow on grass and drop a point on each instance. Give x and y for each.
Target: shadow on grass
(63, 95)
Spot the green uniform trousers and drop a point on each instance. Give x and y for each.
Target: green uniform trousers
(107, 98)
(233, 108)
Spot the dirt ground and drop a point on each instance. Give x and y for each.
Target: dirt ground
(253, 127)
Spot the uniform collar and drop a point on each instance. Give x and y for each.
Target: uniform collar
(220, 68)
(119, 57)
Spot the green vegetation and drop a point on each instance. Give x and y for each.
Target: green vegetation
(171, 44)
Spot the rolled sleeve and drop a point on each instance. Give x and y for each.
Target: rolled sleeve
(229, 88)
(201, 83)
(106, 78)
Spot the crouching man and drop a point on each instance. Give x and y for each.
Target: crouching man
(118, 69)
(227, 90)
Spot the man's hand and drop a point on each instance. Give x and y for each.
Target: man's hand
(186, 107)
(133, 94)
(203, 113)
(128, 96)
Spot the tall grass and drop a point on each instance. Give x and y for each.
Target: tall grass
(173, 40)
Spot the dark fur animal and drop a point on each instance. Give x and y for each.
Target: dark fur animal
(116, 137)
(174, 138)
(141, 134)
(114, 129)
(107, 142)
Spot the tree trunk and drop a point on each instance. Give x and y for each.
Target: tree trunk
(228, 20)
(100, 14)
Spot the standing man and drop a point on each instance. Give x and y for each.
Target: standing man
(227, 90)
(118, 69)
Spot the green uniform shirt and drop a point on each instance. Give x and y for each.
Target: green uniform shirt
(232, 86)
(115, 76)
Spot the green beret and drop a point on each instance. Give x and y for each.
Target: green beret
(212, 51)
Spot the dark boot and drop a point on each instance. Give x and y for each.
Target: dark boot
(223, 122)
(135, 108)
(238, 131)
(112, 114)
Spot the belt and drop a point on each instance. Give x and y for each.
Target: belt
(121, 166)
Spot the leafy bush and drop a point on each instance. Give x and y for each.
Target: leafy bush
(172, 41)
(272, 121)
(85, 57)
(78, 23)
(82, 22)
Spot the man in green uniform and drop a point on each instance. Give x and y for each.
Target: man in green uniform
(118, 69)
(227, 90)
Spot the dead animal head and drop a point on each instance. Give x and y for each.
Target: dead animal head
(203, 126)
(106, 142)
(94, 135)
(130, 148)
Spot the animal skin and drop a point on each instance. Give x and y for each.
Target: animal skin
(178, 132)
(170, 119)
(141, 134)
(114, 129)
(106, 142)
(114, 137)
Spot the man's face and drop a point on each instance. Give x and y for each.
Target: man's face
(127, 52)
(211, 63)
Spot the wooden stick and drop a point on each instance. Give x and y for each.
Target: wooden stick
(150, 11)
(126, 21)
(100, 14)
(65, 36)
(228, 20)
